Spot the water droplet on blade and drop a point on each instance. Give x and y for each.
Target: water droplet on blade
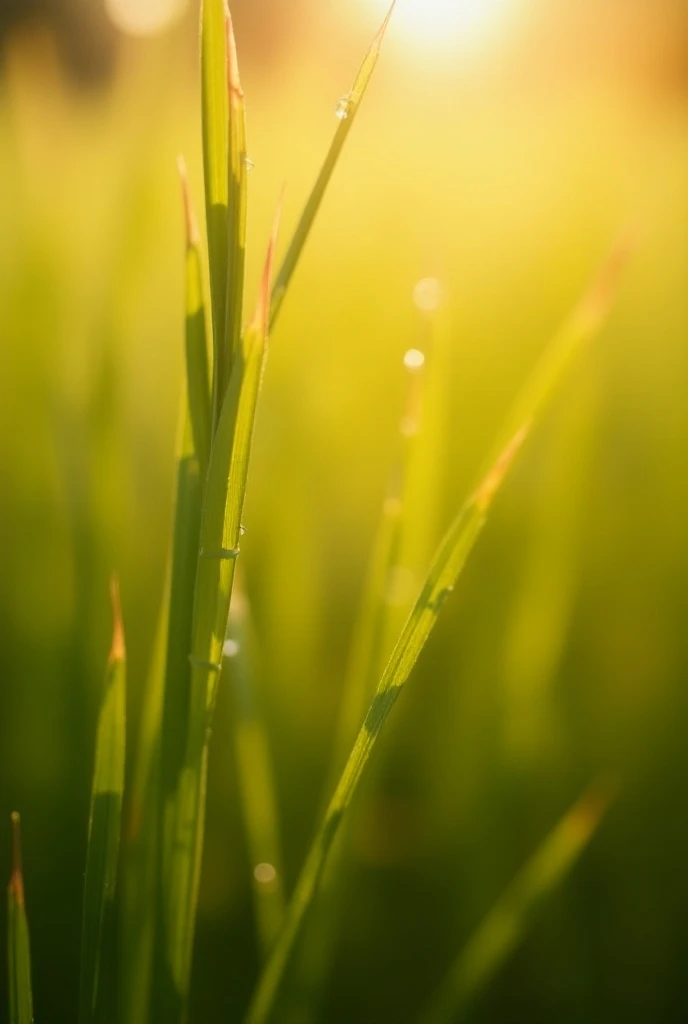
(343, 108)
(248, 164)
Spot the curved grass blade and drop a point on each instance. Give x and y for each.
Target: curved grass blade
(254, 771)
(347, 108)
(447, 565)
(18, 945)
(215, 128)
(506, 924)
(219, 549)
(105, 819)
(197, 372)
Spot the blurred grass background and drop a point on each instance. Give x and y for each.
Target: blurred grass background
(505, 169)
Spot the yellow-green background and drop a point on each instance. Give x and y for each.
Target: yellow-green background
(506, 172)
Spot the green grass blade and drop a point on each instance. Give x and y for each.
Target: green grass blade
(140, 841)
(506, 924)
(215, 127)
(256, 783)
(18, 946)
(236, 219)
(369, 649)
(175, 712)
(369, 632)
(346, 113)
(448, 563)
(197, 371)
(219, 548)
(105, 818)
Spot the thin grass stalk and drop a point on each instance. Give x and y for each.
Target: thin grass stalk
(420, 530)
(177, 673)
(196, 341)
(18, 943)
(346, 112)
(218, 551)
(141, 843)
(256, 780)
(506, 924)
(105, 819)
(368, 651)
(236, 220)
(450, 559)
(215, 130)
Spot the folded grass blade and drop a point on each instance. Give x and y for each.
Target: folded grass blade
(219, 549)
(105, 819)
(215, 128)
(447, 565)
(347, 108)
(197, 371)
(506, 924)
(18, 946)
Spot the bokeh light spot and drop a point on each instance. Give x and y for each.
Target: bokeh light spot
(144, 17)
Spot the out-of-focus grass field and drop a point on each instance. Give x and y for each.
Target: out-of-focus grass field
(505, 172)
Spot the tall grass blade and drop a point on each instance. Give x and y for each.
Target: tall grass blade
(219, 549)
(197, 371)
(18, 946)
(105, 819)
(256, 783)
(347, 108)
(447, 565)
(140, 842)
(215, 129)
(175, 711)
(236, 220)
(506, 924)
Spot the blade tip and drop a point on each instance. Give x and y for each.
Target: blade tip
(17, 876)
(118, 648)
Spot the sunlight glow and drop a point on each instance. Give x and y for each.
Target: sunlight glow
(144, 17)
(448, 22)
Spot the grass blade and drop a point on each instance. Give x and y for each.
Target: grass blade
(236, 220)
(506, 924)
(448, 563)
(254, 770)
(105, 818)
(18, 946)
(347, 109)
(215, 128)
(219, 548)
(141, 844)
(175, 712)
(197, 371)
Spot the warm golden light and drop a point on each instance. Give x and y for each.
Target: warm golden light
(144, 17)
(449, 22)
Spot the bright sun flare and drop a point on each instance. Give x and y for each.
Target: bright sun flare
(446, 21)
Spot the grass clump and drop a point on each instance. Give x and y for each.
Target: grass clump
(205, 626)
